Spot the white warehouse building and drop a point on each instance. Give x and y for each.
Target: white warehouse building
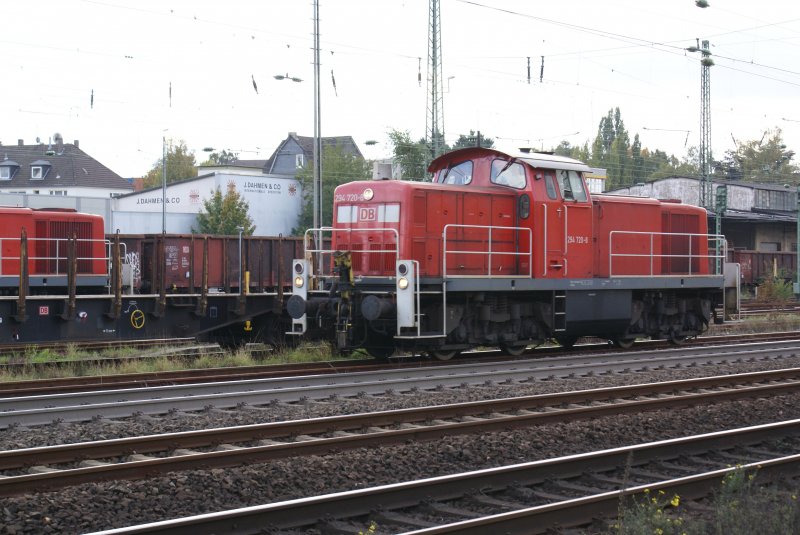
(275, 202)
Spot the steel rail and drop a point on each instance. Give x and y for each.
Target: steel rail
(307, 512)
(40, 410)
(324, 435)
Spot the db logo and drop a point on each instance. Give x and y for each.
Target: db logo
(367, 214)
(44, 311)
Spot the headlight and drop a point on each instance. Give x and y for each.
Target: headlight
(402, 283)
(299, 282)
(368, 194)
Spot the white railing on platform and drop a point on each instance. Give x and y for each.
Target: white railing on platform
(316, 253)
(700, 254)
(489, 251)
(53, 259)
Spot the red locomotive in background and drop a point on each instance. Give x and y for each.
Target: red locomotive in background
(509, 251)
(49, 235)
(62, 279)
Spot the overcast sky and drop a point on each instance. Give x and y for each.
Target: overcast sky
(597, 55)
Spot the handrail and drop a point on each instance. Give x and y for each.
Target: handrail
(58, 256)
(490, 252)
(308, 239)
(712, 255)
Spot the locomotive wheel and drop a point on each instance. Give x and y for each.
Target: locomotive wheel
(379, 346)
(440, 354)
(513, 350)
(566, 341)
(623, 342)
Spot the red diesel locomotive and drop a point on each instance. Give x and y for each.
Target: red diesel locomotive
(508, 251)
(48, 238)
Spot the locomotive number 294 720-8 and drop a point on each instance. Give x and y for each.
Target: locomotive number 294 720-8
(578, 240)
(349, 197)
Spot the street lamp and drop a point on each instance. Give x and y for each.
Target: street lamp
(287, 77)
(240, 229)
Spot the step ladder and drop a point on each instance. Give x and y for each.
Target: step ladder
(559, 311)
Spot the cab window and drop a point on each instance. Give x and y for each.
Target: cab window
(508, 173)
(550, 184)
(570, 185)
(458, 175)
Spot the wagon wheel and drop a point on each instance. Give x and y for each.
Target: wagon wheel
(566, 341)
(623, 342)
(380, 352)
(677, 339)
(513, 350)
(441, 354)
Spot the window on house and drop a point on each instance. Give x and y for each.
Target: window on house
(299, 160)
(36, 172)
(58, 192)
(5, 173)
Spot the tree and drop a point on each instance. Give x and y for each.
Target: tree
(225, 157)
(764, 160)
(471, 140)
(565, 148)
(222, 214)
(413, 158)
(180, 165)
(338, 167)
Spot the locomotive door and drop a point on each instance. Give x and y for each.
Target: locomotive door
(551, 231)
(576, 224)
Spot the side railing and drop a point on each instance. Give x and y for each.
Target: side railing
(482, 245)
(655, 254)
(54, 261)
(319, 251)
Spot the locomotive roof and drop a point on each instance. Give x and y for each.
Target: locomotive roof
(534, 159)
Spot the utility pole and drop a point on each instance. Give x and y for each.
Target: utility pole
(705, 125)
(317, 174)
(434, 121)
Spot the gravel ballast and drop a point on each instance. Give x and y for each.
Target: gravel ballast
(94, 507)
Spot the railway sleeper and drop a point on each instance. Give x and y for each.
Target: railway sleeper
(440, 508)
(400, 519)
(484, 499)
(91, 463)
(227, 447)
(42, 469)
(184, 451)
(569, 485)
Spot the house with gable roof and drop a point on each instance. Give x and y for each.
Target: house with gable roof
(58, 169)
(295, 152)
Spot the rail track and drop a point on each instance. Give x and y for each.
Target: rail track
(51, 467)
(83, 406)
(124, 381)
(525, 498)
(762, 309)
